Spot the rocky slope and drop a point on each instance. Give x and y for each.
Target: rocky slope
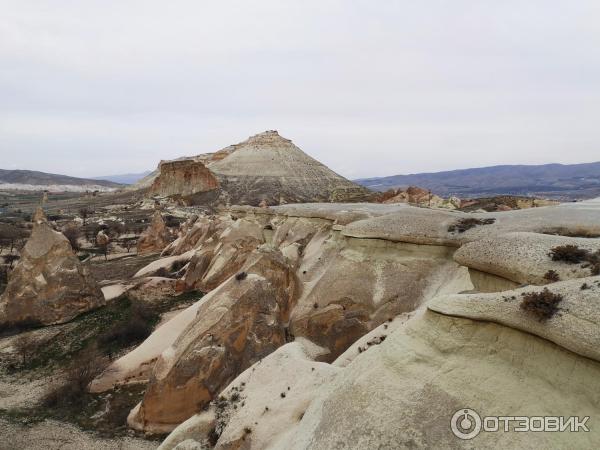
(369, 326)
(355, 325)
(264, 168)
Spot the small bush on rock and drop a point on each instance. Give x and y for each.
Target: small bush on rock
(570, 254)
(552, 276)
(466, 224)
(542, 305)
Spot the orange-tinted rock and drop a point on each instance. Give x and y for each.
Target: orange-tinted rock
(238, 324)
(49, 285)
(183, 178)
(155, 238)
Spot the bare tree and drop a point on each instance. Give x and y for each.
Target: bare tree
(10, 260)
(25, 346)
(73, 234)
(85, 212)
(10, 236)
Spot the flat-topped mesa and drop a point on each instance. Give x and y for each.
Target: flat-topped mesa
(265, 167)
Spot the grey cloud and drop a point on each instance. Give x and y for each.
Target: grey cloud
(369, 88)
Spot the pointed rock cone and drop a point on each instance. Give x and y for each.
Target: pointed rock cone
(49, 285)
(156, 237)
(39, 216)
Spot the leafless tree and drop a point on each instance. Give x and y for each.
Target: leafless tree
(85, 212)
(25, 346)
(72, 233)
(10, 260)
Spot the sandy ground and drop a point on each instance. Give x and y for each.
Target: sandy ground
(51, 435)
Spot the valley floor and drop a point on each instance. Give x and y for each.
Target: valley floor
(53, 435)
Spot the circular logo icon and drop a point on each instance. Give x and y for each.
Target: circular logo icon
(465, 424)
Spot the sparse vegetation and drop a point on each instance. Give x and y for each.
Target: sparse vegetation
(11, 236)
(134, 329)
(9, 329)
(541, 305)
(552, 276)
(467, 223)
(85, 212)
(570, 254)
(241, 276)
(25, 346)
(83, 369)
(84, 348)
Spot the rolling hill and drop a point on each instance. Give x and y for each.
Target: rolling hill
(31, 180)
(557, 181)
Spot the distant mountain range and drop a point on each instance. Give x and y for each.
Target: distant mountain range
(557, 181)
(126, 178)
(30, 180)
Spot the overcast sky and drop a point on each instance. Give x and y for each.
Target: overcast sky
(369, 88)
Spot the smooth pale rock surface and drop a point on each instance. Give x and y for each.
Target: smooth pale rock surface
(350, 286)
(155, 238)
(195, 429)
(114, 291)
(163, 263)
(413, 225)
(372, 338)
(576, 326)
(426, 226)
(403, 392)
(523, 257)
(49, 285)
(398, 383)
(340, 213)
(259, 405)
